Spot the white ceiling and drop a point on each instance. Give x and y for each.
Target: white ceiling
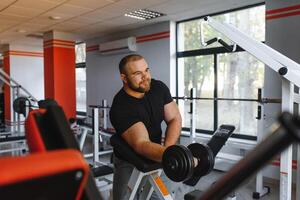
(93, 18)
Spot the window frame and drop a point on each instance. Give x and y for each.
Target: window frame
(210, 51)
(80, 65)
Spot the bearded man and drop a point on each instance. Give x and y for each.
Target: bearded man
(137, 112)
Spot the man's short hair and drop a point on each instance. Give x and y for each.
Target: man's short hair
(125, 60)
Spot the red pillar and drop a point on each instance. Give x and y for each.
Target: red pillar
(59, 71)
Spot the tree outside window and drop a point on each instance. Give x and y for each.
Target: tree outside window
(80, 55)
(214, 72)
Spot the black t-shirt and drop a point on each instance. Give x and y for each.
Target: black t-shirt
(127, 110)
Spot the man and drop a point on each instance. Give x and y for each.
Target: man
(136, 113)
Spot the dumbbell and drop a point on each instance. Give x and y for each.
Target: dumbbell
(178, 161)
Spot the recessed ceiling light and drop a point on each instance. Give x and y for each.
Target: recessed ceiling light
(144, 14)
(21, 31)
(35, 35)
(55, 17)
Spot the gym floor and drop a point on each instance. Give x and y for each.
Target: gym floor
(242, 193)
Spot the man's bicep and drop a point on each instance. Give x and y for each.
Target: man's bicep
(171, 111)
(136, 134)
(122, 119)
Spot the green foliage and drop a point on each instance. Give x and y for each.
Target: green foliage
(239, 74)
(80, 53)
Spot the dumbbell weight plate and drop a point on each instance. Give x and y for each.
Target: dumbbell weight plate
(178, 163)
(206, 157)
(19, 105)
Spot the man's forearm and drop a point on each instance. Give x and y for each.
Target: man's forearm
(151, 150)
(173, 132)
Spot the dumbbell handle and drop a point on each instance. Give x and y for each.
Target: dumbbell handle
(196, 161)
(282, 137)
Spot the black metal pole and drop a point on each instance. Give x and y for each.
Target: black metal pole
(263, 100)
(282, 137)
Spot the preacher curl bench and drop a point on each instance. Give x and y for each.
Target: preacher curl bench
(177, 163)
(285, 132)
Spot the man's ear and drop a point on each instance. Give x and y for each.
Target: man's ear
(123, 78)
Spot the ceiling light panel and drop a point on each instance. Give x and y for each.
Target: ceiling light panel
(144, 14)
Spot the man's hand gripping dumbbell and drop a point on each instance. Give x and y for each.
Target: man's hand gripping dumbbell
(190, 163)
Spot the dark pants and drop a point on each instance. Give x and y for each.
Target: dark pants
(122, 173)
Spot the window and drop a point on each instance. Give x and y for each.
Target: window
(80, 55)
(197, 72)
(219, 76)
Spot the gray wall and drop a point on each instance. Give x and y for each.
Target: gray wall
(24, 68)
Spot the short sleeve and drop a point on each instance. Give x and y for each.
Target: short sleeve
(123, 118)
(166, 92)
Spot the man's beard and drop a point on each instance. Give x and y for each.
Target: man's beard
(140, 89)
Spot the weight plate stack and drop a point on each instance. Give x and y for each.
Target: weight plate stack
(202, 152)
(178, 163)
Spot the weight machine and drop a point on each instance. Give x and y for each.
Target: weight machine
(289, 70)
(16, 90)
(15, 136)
(98, 132)
(96, 127)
